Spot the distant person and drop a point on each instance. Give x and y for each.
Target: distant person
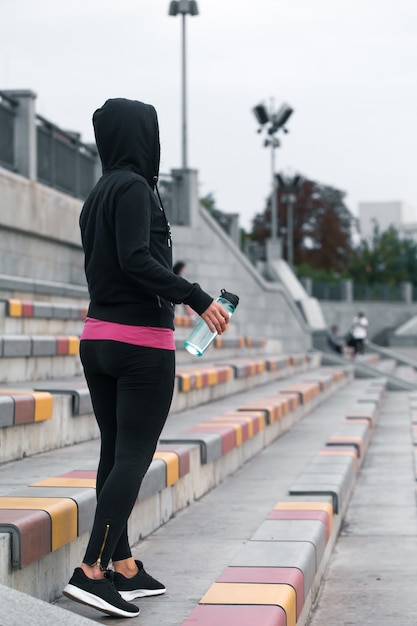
(359, 333)
(179, 269)
(333, 340)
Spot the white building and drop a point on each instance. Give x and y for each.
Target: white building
(397, 213)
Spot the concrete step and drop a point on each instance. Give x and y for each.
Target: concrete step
(53, 570)
(195, 548)
(72, 420)
(370, 366)
(19, 608)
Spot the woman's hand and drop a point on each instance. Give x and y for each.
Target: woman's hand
(216, 317)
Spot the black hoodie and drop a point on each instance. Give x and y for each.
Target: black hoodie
(125, 234)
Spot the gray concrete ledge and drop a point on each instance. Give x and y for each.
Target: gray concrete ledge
(18, 608)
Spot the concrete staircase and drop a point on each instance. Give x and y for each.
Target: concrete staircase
(229, 409)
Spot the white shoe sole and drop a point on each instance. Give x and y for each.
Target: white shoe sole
(140, 593)
(84, 597)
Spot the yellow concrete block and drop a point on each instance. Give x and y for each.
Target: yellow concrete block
(307, 506)
(66, 482)
(185, 382)
(213, 377)
(43, 405)
(73, 345)
(172, 463)
(15, 308)
(254, 593)
(248, 420)
(275, 412)
(256, 409)
(63, 513)
(43, 402)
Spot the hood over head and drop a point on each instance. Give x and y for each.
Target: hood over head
(127, 137)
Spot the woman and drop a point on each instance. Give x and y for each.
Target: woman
(127, 346)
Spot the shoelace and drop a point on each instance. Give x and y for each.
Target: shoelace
(109, 574)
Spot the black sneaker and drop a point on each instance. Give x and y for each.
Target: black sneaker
(139, 586)
(100, 594)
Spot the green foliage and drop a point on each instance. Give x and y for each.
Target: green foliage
(324, 230)
(385, 258)
(209, 202)
(326, 276)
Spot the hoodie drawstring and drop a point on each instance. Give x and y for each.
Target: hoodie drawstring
(169, 233)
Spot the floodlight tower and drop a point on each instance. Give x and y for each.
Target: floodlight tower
(183, 7)
(271, 122)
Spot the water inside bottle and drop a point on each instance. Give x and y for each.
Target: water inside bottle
(192, 349)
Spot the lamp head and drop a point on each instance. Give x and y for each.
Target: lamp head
(261, 114)
(173, 8)
(185, 7)
(297, 181)
(192, 7)
(282, 116)
(288, 183)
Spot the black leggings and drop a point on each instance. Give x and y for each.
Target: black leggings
(359, 346)
(131, 390)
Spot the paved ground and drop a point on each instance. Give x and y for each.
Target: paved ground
(371, 576)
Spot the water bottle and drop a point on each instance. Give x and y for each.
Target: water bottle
(201, 336)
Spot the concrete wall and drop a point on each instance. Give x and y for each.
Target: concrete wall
(265, 309)
(382, 316)
(39, 238)
(39, 233)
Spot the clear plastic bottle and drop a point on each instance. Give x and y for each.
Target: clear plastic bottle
(201, 336)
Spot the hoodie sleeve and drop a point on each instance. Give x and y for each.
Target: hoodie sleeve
(133, 228)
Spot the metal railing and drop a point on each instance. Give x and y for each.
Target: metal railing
(166, 193)
(377, 292)
(359, 292)
(32, 146)
(63, 161)
(327, 291)
(8, 107)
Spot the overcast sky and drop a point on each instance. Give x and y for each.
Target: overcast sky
(347, 67)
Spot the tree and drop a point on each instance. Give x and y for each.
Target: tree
(323, 227)
(385, 258)
(209, 202)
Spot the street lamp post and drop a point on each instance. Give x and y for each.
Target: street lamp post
(290, 199)
(290, 186)
(272, 121)
(183, 7)
(274, 143)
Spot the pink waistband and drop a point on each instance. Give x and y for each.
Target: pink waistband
(147, 336)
